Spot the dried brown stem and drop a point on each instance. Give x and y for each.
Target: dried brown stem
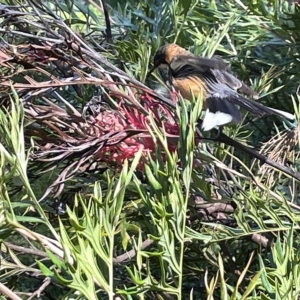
(8, 292)
(25, 250)
(39, 291)
(130, 254)
(222, 138)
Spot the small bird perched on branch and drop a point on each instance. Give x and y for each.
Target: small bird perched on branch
(193, 75)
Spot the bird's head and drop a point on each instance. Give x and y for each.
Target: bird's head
(165, 54)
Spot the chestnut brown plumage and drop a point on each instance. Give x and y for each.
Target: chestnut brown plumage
(209, 78)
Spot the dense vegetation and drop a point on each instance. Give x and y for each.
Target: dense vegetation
(108, 188)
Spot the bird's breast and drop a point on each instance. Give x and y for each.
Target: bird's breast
(189, 86)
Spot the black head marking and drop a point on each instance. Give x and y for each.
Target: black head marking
(160, 56)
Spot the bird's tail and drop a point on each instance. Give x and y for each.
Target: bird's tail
(259, 109)
(223, 110)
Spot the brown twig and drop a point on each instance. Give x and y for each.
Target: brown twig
(223, 138)
(261, 240)
(130, 254)
(38, 292)
(25, 250)
(211, 208)
(9, 293)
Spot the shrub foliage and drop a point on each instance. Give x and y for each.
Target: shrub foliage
(108, 188)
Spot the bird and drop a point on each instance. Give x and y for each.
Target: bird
(193, 76)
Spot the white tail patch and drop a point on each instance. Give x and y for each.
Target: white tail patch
(283, 113)
(212, 120)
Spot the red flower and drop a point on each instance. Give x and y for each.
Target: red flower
(119, 124)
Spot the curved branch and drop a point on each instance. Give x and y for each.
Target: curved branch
(223, 138)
